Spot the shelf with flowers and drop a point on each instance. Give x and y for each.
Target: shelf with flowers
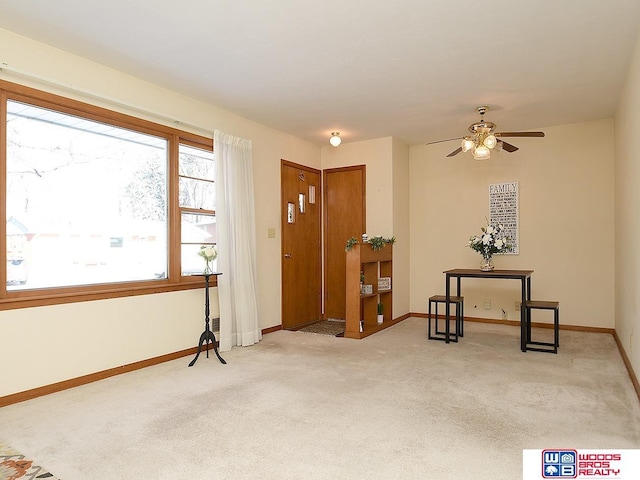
(490, 242)
(377, 242)
(370, 312)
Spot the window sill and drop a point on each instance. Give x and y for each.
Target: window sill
(58, 296)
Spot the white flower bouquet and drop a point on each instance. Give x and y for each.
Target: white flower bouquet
(209, 253)
(492, 241)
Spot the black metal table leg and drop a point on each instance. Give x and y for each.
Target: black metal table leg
(524, 324)
(207, 336)
(447, 309)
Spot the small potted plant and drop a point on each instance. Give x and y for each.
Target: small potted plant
(380, 313)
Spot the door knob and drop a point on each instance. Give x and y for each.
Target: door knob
(287, 255)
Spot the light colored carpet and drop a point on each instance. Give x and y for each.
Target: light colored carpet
(299, 406)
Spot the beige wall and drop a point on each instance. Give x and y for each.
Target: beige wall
(45, 345)
(566, 222)
(50, 344)
(627, 200)
(401, 229)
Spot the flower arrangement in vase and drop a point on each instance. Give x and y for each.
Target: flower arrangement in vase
(491, 241)
(209, 253)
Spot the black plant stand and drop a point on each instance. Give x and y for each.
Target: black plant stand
(207, 336)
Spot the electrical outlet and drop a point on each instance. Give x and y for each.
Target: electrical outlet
(518, 306)
(487, 304)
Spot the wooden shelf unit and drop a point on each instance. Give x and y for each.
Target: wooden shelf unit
(374, 264)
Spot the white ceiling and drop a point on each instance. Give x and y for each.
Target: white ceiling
(412, 69)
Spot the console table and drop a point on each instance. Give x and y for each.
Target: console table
(207, 336)
(525, 280)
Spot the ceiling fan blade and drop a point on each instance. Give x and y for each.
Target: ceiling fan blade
(508, 147)
(455, 152)
(442, 141)
(519, 134)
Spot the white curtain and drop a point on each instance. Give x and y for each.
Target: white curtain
(235, 219)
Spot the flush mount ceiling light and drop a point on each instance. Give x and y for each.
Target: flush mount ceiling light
(335, 139)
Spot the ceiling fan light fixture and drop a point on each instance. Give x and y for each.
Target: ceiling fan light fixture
(335, 139)
(467, 144)
(490, 141)
(481, 152)
(483, 139)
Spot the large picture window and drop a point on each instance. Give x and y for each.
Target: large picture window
(88, 200)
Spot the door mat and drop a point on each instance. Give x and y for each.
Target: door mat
(335, 328)
(14, 465)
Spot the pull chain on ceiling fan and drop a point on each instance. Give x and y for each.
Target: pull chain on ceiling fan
(484, 138)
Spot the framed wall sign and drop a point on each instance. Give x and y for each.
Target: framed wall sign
(503, 209)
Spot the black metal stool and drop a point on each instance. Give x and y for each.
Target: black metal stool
(459, 322)
(543, 305)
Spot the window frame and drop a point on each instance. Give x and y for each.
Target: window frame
(192, 210)
(175, 281)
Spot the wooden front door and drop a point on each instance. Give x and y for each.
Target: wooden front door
(344, 190)
(301, 251)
